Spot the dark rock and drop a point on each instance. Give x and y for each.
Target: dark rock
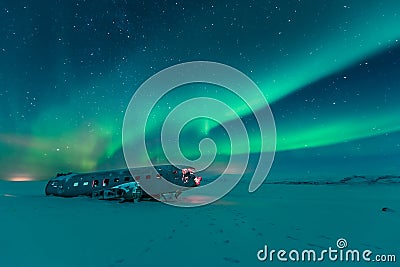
(386, 209)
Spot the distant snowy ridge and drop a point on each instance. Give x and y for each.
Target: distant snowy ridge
(351, 180)
(355, 179)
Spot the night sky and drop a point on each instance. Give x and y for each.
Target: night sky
(330, 71)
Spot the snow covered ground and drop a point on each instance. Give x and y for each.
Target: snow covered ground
(50, 231)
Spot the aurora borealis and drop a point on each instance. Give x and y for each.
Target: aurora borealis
(329, 69)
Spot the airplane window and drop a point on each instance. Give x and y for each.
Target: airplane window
(127, 179)
(116, 180)
(75, 184)
(106, 182)
(95, 183)
(85, 183)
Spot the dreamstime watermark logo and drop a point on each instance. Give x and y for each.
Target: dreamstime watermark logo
(341, 253)
(146, 97)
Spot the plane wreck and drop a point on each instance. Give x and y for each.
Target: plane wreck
(167, 182)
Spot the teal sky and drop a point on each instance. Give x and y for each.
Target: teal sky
(329, 70)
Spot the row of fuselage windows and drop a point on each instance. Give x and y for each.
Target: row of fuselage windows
(106, 181)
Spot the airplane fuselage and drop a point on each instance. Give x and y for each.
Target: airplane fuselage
(83, 184)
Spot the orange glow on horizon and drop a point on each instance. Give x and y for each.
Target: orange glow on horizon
(20, 179)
